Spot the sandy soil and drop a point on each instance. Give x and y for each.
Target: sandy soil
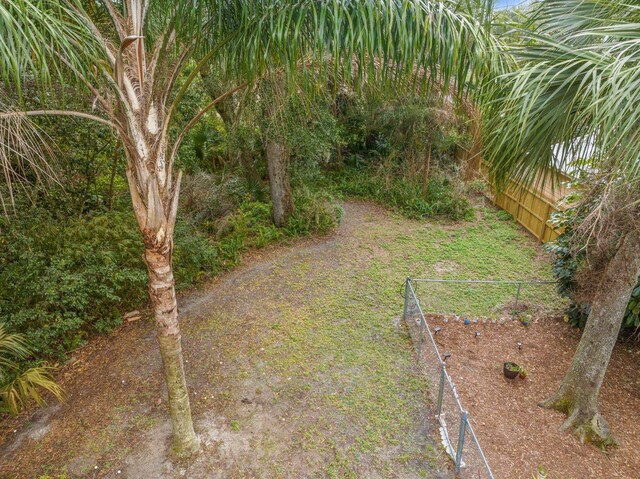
(285, 379)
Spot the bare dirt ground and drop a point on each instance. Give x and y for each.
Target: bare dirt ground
(296, 369)
(519, 437)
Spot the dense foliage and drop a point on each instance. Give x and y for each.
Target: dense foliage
(64, 279)
(403, 156)
(71, 254)
(565, 267)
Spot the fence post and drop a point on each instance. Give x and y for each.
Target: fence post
(464, 417)
(406, 298)
(517, 295)
(420, 337)
(441, 388)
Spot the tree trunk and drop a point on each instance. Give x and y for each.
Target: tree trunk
(578, 393)
(155, 203)
(165, 307)
(425, 174)
(279, 181)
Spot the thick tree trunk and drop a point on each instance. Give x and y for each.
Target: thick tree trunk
(578, 393)
(165, 307)
(279, 181)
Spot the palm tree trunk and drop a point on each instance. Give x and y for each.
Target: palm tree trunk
(165, 307)
(279, 181)
(578, 393)
(155, 204)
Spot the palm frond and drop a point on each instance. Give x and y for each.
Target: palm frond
(27, 386)
(33, 36)
(19, 386)
(576, 78)
(25, 154)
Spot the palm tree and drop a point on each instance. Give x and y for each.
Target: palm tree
(18, 385)
(133, 58)
(574, 81)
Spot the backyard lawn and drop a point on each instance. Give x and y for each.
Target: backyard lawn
(298, 363)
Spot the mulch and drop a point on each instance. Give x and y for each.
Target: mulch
(519, 437)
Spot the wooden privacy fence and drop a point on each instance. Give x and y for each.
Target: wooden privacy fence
(532, 206)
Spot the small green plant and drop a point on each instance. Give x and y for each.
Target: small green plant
(235, 425)
(504, 216)
(19, 385)
(513, 367)
(541, 473)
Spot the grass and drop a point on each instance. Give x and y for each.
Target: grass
(343, 365)
(317, 328)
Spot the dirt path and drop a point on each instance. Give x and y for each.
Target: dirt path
(296, 367)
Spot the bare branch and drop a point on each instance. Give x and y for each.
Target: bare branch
(116, 18)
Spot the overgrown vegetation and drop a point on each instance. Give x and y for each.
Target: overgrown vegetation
(442, 200)
(404, 157)
(70, 257)
(65, 279)
(566, 266)
(71, 260)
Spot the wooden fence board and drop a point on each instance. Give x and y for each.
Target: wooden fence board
(532, 206)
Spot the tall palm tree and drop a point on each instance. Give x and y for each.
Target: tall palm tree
(575, 80)
(133, 56)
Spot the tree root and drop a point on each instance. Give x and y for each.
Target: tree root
(586, 423)
(184, 450)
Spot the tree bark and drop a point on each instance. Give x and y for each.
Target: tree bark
(578, 393)
(155, 203)
(279, 181)
(165, 307)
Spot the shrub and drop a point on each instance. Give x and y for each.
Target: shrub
(441, 201)
(63, 280)
(565, 268)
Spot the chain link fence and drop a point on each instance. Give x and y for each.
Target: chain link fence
(456, 431)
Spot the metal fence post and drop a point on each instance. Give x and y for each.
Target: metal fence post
(441, 388)
(420, 339)
(464, 417)
(406, 298)
(517, 295)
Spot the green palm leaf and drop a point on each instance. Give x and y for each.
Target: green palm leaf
(19, 386)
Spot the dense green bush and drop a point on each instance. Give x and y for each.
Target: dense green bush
(565, 268)
(441, 201)
(63, 279)
(391, 148)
